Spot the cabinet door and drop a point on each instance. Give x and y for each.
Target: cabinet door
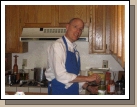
(113, 30)
(12, 25)
(67, 12)
(117, 32)
(13, 30)
(121, 35)
(37, 15)
(98, 29)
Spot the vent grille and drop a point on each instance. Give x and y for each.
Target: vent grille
(61, 30)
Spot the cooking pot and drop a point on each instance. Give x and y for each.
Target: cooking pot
(39, 74)
(10, 79)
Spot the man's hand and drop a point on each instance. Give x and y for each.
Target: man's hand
(93, 89)
(94, 77)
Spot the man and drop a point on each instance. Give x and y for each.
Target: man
(63, 64)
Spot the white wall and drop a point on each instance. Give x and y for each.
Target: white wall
(36, 56)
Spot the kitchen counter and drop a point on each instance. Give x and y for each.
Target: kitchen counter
(29, 90)
(26, 93)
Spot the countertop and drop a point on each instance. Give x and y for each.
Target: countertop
(29, 90)
(26, 93)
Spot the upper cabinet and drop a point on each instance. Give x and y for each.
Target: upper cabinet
(67, 12)
(107, 31)
(51, 16)
(37, 15)
(117, 32)
(99, 29)
(13, 31)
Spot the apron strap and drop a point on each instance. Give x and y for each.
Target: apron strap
(49, 88)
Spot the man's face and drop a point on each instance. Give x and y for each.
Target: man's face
(74, 30)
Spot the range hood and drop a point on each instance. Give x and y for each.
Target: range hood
(42, 34)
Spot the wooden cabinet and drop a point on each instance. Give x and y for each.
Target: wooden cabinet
(107, 31)
(37, 15)
(117, 38)
(99, 29)
(66, 12)
(8, 61)
(13, 31)
(52, 16)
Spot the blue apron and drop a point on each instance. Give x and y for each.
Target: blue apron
(72, 66)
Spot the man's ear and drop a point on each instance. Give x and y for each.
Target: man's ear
(67, 25)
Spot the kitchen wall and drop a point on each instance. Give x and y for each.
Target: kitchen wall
(37, 56)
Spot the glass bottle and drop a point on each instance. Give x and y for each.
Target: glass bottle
(111, 86)
(15, 67)
(107, 79)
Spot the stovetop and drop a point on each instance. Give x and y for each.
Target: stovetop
(43, 83)
(29, 83)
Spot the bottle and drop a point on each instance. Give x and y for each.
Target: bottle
(123, 80)
(23, 72)
(123, 84)
(111, 86)
(15, 67)
(107, 79)
(108, 75)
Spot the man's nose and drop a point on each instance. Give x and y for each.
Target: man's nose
(78, 30)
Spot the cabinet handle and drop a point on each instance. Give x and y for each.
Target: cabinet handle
(106, 46)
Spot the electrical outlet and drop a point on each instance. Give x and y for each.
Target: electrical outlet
(105, 64)
(24, 62)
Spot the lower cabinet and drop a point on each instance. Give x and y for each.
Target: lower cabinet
(27, 90)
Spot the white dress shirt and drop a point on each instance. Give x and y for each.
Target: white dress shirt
(56, 59)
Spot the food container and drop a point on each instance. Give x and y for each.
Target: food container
(102, 87)
(101, 92)
(10, 79)
(99, 71)
(39, 74)
(24, 76)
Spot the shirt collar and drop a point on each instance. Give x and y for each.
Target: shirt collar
(70, 43)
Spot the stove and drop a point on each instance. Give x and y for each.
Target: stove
(43, 83)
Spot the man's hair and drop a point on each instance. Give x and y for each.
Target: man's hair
(74, 19)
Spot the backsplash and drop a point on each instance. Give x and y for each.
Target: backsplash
(37, 56)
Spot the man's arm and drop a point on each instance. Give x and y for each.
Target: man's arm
(93, 77)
